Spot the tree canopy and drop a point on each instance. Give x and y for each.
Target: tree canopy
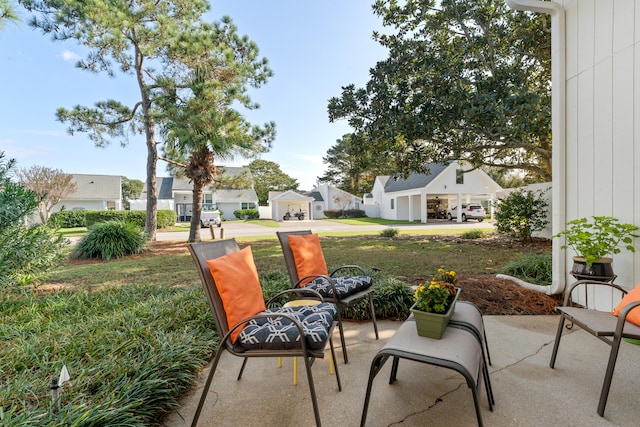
(462, 81)
(267, 176)
(157, 42)
(51, 186)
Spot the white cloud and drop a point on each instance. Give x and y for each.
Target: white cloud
(67, 55)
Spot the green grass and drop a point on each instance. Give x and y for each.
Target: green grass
(134, 332)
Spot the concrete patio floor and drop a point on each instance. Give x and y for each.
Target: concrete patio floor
(526, 390)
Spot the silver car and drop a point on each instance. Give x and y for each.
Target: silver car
(470, 211)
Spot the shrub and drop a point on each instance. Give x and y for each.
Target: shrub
(166, 218)
(531, 267)
(110, 239)
(348, 213)
(246, 214)
(68, 219)
(392, 299)
(521, 213)
(27, 253)
(389, 232)
(472, 234)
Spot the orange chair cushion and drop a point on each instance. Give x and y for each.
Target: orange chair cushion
(308, 256)
(634, 315)
(237, 281)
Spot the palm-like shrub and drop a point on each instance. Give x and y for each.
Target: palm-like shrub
(111, 239)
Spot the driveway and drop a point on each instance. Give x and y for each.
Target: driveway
(240, 229)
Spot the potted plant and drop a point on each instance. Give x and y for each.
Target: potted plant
(434, 304)
(594, 241)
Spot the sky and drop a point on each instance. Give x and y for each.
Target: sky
(313, 47)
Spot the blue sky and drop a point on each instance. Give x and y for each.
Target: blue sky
(313, 47)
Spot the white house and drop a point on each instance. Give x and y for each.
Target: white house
(93, 192)
(419, 196)
(177, 194)
(324, 197)
(595, 66)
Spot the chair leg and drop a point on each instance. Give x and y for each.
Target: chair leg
(312, 390)
(373, 314)
(342, 341)
(207, 385)
(244, 363)
(613, 356)
(335, 363)
(556, 344)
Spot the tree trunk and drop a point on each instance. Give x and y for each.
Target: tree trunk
(196, 211)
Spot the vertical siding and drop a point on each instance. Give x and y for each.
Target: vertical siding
(602, 114)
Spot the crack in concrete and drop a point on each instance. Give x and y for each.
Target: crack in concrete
(428, 408)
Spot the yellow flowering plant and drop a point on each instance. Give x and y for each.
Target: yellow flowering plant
(435, 296)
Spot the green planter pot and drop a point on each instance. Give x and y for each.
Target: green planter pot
(432, 325)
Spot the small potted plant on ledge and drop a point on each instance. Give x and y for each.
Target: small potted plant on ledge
(594, 241)
(435, 302)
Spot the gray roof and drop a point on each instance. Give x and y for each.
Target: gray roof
(415, 180)
(98, 187)
(241, 195)
(317, 197)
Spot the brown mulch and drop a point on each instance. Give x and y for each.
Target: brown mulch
(494, 296)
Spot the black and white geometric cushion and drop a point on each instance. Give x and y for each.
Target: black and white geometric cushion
(345, 285)
(276, 333)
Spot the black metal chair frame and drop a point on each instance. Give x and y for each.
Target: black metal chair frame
(341, 302)
(201, 252)
(601, 324)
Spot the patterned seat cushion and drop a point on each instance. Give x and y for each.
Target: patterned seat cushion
(346, 285)
(277, 333)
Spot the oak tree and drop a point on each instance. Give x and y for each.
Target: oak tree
(267, 176)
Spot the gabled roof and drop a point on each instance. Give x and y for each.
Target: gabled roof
(236, 195)
(415, 180)
(97, 187)
(317, 197)
(287, 195)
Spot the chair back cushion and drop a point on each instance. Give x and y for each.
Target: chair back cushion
(634, 315)
(308, 255)
(237, 282)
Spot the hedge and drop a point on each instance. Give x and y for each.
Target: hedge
(347, 213)
(246, 214)
(83, 218)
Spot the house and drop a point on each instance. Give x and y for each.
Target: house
(422, 196)
(313, 204)
(595, 111)
(177, 194)
(93, 192)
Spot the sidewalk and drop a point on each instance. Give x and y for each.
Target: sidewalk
(527, 391)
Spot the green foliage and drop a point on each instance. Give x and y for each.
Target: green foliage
(531, 267)
(521, 213)
(27, 252)
(68, 218)
(472, 234)
(131, 190)
(110, 239)
(389, 232)
(598, 237)
(392, 299)
(167, 218)
(131, 351)
(462, 80)
(347, 213)
(267, 176)
(246, 213)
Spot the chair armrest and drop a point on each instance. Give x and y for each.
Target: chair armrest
(301, 291)
(346, 267)
(622, 317)
(575, 285)
(299, 284)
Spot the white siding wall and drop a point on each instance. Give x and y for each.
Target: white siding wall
(602, 112)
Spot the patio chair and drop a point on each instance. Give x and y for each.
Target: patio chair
(610, 327)
(307, 268)
(248, 326)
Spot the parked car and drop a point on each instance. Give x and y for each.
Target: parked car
(470, 211)
(210, 215)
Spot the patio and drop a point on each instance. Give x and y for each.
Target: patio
(526, 390)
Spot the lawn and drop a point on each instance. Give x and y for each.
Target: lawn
(134, 332)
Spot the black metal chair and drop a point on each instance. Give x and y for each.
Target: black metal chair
(601, 324)
(343, 290)
(307, 328)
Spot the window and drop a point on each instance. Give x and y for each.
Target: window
(246, 205)
(392, 203)
(207, 198)
(459, 176)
